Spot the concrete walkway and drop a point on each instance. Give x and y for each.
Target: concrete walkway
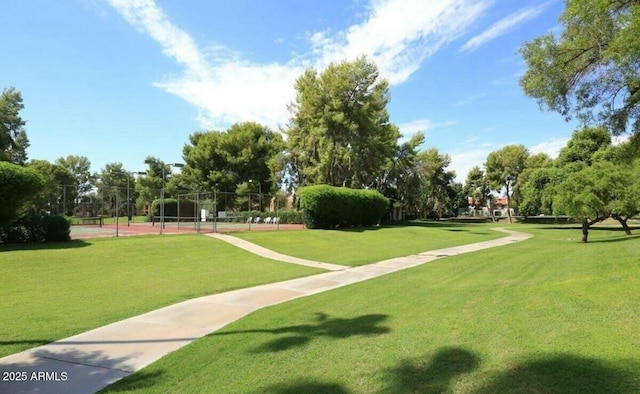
(270, 254)
(90, 361)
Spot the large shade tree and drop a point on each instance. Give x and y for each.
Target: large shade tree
(339, 133)
(477, 188)
(51, 197)
(591, 70)
(504, 167)
(13, 137)
(84, 181)
(595, 193)
(223, 160)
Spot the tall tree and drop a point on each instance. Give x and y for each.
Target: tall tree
(115, 184)
(51, 197)
(477, 187)
(402, 177)
(438, 180)
(583, 144)
(13, 137)
(339, 133)
(223, 160)
(84, 180)
(593, 194)
(503, 168)
(592, 69)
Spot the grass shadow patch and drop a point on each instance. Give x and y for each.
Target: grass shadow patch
(324, 326)
(305, 387)
(430, 375)
(567, 374)
(73, 244)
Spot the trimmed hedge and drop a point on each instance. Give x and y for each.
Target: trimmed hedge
(327, 206)
(17, 186)
(37, 228)
(171, 208)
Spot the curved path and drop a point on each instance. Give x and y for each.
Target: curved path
(90, 361)
(270, 254)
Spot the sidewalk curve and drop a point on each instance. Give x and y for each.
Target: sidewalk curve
(270, 254)
(90, 361)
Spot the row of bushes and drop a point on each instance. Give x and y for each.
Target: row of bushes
(35, 228)
(327, 206)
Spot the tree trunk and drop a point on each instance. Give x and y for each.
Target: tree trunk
(623, 222)
(585, 230)
(509, 204)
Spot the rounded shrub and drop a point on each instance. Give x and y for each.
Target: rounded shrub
(171, 208)
(33, 228)
(327, 206)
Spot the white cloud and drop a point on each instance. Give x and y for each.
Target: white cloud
(463, 160)
(397, 34)
(400, 34)
(551, 146)
(503, 26)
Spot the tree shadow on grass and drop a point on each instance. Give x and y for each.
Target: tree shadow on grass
(567, 374)
(619, 236)
(305, 387)
(421, 375)
(299, 335)
(73, 244)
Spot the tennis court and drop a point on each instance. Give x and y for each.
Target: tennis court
(122, 229)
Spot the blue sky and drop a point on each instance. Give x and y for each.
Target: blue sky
(118, 80)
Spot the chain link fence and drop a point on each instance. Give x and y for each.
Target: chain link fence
(117, 211)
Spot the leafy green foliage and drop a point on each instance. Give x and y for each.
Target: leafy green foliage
(477, 187)
(55, 178)
(171, 208)
(583, 145)
(591, 70)
(340, 132)
(219, 160)
(327, 206)
(13, 138)
(36, 228)
(79, 167)
(18, 185)
(503, 168)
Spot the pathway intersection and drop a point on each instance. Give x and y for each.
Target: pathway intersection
(90, 361)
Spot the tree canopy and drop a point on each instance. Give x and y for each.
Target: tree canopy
(18, 186)
(503, 168)
(13, 137)
(222, 160)
(339, 133)
(591, 70)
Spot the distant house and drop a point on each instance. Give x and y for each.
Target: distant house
(500, 207)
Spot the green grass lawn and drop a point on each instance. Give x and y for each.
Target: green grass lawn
(547, 315)
(356, 246)
(52, 291)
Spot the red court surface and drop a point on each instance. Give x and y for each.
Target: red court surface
(122, 230)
